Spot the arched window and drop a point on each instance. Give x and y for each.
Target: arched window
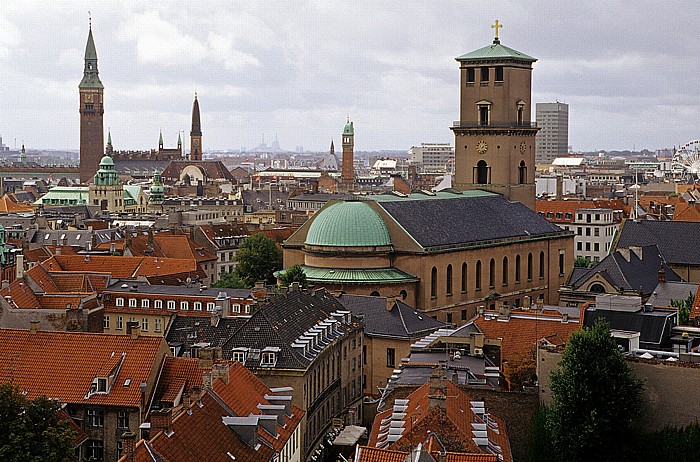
(433, 282)
(505, 271)
(403, 294)
(597, 288)
(374, 294)
(541, 264)
(477, 277)
(482, 172)
(523, 172)
(492, 273)
(448, 279)
(529, 267)
(464, 277)
(517, 268)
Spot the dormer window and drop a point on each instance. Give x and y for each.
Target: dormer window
(101, 385)
(269, 358)
(119, 301)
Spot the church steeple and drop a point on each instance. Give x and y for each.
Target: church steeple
(160, 141)
(332, 147)
(91, 77)
(196, 132)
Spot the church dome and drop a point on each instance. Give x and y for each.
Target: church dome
(348, 224)
(106, 160)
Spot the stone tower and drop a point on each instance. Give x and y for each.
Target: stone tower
(196, 133)
(494, 138)
(91, 114)
(347, 177)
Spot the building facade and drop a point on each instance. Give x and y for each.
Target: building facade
(553, 139)
(433, 157)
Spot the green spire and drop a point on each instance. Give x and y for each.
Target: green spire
(179, 140)
(109, 138)
(91, 78)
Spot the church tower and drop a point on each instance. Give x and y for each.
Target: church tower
(91, 114)
(347, 176)
(494, 138)
(196, 133)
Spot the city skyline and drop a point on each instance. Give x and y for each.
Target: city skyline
(299, 71)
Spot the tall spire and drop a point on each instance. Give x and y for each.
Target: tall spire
(196, 125)
(91, 78)
(109, 138)
(160, 140)
(332, 147)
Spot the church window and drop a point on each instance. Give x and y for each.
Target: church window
(483, 115)
(505, 271)
(448, 280)
(433, 282)
(541, 265)
(499, 73)
(517, 268)
(492, 273)
(529, 267)
(464, 277)
(482, 171)
(484, 75)
(477, 275)
(374, 294)
(470, 75)
(522, 170)
(403, 294)
(597, 288)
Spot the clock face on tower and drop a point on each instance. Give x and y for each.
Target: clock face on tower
(481, 147)
(88, 97)
(522, 148)
(195, 142)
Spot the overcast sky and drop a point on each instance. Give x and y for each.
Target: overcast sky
(629, 70)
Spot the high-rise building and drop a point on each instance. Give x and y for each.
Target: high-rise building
(494, 138)
(433, 157)
(553, 139)
(91, 114)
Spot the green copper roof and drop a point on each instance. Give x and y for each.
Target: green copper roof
(109, 138)
(341, 275)
(91, 78)
(348, 129)
(106, 160)
(348, 224)
(496, 51)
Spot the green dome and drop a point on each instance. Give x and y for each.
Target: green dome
(348, 224)
(348, 129)
(106, 160)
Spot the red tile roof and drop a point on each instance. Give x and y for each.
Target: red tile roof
(122, 267)
(686, 212)
(63, 365)
(169, 246)
(177, 374)
(521, 331)
(9, 206)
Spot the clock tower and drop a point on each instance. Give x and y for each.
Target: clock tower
(196, 133)
(91, 114)
(494, 138)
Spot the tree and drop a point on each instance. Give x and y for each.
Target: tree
(294, 273)
(32, 430)
(229, 280)
(257, 259)
(582, 262)
(595, 398)
(684, 308)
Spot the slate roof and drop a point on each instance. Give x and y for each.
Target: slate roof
(654, 326)
(71, 237)
(258, 199)
(667, 291)
(281, 322)
(633, 275)
(457, 219)
(63, 365)
(401, 321)
(683, 248)
(192, 291)
(189, 330)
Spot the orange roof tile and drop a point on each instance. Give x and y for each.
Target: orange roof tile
(63, 365)
(686, 212)
(9, 206)
(121, 267)
(178, 371)
(520, 333)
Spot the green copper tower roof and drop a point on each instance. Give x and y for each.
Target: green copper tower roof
(495, 51)
(348, 224)
(349, 129)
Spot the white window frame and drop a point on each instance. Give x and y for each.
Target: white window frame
(158, 304)
(197, 306)
(105, 322)
(184, 305)
(158, 325)
(133, 303)
(268, 358)
(120, 322)
(144, 324)
(211, 306)
(119, 301)
(236, 308)
(171, 304)
(145, 303)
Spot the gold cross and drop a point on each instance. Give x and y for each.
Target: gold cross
(497, 26)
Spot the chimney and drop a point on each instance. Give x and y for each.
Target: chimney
(438, 387)
(504, 312)
(223, 304)
(128, 445)
(162, 421)
(19, 266)
(133, 329)
(214, 318)
(196, 395)
(560, 187)
(206, 357)
(33, 327)
(149, 232)
(220, 371)
(662, 274)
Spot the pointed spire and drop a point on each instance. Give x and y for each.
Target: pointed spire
(179, 140)
(160, 140)
(196, 125)
(91, 77)
(332, 147)
(109, 137)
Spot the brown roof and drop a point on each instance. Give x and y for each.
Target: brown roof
(179, 374)
(686, 212)
(169, 246)
(122, 267)
(563, 207)
(63, 365)
(520, 333)
(9, 206)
